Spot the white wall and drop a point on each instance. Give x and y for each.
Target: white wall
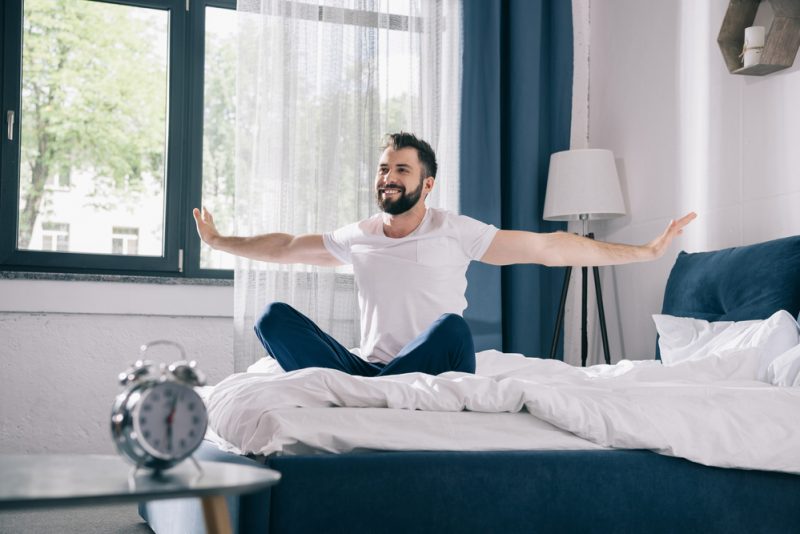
(62, 344)
(687, 136)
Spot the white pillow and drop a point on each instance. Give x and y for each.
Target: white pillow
(683, 338)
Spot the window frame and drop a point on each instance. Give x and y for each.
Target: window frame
(195, 100)
(183, 191)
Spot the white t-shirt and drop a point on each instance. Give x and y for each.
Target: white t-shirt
(405, 284)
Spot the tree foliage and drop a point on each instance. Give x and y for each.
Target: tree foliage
(93, 98)
(219, 133)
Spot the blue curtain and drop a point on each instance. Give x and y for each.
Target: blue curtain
(516, 110)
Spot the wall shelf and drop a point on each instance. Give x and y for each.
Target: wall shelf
(781, 43)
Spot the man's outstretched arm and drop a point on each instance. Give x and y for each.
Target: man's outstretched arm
(559, 249)
(275, 248)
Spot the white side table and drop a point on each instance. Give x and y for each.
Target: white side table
(46, 481)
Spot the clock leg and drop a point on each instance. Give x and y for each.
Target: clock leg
(215, 513)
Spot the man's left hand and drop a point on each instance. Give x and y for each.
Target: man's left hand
(660, 244)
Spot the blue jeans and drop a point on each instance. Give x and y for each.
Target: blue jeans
(296, 342)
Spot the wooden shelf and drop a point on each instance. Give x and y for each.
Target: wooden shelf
(781, 43)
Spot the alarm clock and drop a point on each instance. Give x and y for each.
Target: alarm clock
(159, 419)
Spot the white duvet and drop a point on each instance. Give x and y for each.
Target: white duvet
(712, 411)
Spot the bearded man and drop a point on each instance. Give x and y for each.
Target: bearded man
(410, 264)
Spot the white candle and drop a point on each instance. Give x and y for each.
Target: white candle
(753, 45)
(754, 37)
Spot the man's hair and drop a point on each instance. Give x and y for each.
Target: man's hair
(425, 153)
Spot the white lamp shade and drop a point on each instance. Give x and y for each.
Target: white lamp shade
(583, 183)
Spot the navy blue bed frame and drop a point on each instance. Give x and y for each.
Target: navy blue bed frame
(513, 491)
(541, 491)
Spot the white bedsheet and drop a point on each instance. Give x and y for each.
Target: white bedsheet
(292, 431)
(711, 411)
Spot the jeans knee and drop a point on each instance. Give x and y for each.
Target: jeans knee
(272, 316)
(454, 323)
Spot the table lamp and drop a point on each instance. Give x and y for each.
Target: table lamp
(583, 185)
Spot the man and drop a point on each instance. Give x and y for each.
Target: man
(409, 263)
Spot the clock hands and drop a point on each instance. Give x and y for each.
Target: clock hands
(170, 419)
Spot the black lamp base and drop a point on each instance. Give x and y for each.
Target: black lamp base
(600, 310)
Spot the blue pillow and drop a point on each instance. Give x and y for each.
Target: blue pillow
(736, 284)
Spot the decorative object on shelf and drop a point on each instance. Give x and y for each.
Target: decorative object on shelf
(583, 185)
(780, 44)
(159, 420)
(753, 45)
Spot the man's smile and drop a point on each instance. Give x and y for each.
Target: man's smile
(390, 191)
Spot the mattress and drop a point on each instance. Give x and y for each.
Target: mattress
(303, 431)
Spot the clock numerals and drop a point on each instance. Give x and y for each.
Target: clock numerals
(170, 422)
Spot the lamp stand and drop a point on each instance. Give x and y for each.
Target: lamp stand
(600, 310)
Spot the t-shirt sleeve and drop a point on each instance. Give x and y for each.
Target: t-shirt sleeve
(476, 236)
(339, 242)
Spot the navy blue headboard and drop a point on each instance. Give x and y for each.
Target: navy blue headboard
(736, 284)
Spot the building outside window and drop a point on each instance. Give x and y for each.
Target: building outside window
(124, 240)
(55, 236)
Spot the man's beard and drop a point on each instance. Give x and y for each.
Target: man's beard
(403, 202)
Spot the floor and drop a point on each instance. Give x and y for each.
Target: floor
(116, 519)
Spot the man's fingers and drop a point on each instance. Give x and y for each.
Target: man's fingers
(686, 219)
(677, 226)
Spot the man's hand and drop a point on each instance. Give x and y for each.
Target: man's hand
(205, 226)
(675, 228)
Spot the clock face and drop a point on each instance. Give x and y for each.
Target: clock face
(170, 420)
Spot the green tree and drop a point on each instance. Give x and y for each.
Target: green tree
(219, 125)
(219, 130)
(93, 97)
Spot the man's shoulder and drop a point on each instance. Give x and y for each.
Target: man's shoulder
(364, 226)
(445, 216)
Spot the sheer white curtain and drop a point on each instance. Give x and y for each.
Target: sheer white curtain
(318, 85)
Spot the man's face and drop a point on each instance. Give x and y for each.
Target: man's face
(400, 180)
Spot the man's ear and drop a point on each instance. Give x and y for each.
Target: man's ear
(429, 181)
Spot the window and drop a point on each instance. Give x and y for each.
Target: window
(118, 120)
(60, 180)
(55, 236)
(219, 128)
(125, 240)
(120, 115)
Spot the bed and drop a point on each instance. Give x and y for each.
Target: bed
(553, 472)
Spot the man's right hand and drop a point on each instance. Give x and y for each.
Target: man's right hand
(275, 247)
(205, 226)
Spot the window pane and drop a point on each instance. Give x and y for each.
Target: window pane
(219, 122)
(94, 123)
(124, 240)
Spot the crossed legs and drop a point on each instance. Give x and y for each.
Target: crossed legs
(296, 342)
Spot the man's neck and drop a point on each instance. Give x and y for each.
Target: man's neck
(397, 226)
